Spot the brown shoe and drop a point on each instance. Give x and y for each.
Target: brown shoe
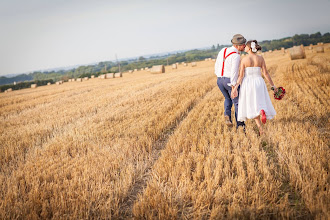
(227, 121)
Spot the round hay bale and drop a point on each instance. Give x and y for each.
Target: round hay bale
(117, 75)
(142, 69)
(92, 76)
(270, 51)
(103, 76)
(9, 90)
(297, 52)
(135, 70)
(174, 66)
(109, 76)
(311, 46)
(185, 64)
(33, 86)
(79, 80)
(158, 69)
(58, 83)
(48, 84)
(130, 71)
(319, 49)
(85, 78)
(193, 64)
(320, 43)
(72, 80)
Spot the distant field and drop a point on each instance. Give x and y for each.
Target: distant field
(155, 146)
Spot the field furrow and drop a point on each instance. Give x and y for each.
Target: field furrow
(155, 146)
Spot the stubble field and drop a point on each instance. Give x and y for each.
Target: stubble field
(155, 146)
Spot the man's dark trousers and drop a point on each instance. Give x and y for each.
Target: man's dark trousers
(226, 91)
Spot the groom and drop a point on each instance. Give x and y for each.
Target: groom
(227, 71)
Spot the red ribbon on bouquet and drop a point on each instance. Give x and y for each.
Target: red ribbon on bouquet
(279, 94)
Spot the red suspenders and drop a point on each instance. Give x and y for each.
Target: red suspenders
(224, 58)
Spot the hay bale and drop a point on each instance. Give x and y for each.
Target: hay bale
(33, 86)
(48, 84)
(72, 80)
(213, 60)
(185, 64)
(103, 76)
(319, 49)
(158, 69)
(109, 75)
(79, 80)
(58, 83)
(85, 78)
(174, 66)
(130, 71)
(193, 64)
(311, 46)
(117, 75)
(9, 90)
(135, 70)
(320, 43)
(270, 51)
(142, 69)
(92, 76)
(297, 52)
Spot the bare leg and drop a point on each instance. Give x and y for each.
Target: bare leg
(258, 122)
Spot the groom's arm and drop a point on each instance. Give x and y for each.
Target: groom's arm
(236, 59)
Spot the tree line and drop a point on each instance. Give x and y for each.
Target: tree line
(141, 62)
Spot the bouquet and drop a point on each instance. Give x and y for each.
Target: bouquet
(279, 94)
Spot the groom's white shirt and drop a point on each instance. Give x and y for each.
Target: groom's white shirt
(231, 64)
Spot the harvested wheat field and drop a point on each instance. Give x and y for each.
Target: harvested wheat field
(154, 146)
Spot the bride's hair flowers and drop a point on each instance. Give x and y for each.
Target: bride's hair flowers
(279, 94)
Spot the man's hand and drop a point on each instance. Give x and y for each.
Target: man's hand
(234, 93)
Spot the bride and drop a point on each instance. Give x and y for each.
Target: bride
(254, 100)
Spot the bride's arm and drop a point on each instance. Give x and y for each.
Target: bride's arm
(241, 75)
(266, 74)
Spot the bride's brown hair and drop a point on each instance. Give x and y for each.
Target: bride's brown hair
(258, 47)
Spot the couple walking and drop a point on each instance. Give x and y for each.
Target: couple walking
(241, 83)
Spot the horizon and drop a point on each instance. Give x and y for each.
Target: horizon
(42, 36)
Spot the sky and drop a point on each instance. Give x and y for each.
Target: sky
(44, 34)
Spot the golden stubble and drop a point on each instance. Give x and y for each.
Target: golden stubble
(155, 146)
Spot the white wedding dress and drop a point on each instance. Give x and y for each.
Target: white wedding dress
(253, 96)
